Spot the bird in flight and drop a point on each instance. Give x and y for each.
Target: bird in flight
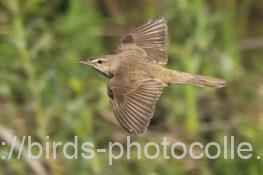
(136, 77)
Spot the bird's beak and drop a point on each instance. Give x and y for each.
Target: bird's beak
(86, 62)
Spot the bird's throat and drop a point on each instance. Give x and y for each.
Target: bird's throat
(105, 73)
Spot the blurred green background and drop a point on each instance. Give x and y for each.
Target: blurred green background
(43, 91)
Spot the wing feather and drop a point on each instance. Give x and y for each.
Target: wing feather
(151, 37)
(134, 107)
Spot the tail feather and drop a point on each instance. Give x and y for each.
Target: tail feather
(198, 80)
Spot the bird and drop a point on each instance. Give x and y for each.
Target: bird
(137, 76)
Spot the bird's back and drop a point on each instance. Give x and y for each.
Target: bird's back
(134, 66)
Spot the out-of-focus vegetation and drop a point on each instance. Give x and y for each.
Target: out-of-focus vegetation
(43, 91)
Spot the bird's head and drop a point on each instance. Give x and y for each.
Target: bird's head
(102, 64)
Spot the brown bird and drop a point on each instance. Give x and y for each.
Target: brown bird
(136, 77)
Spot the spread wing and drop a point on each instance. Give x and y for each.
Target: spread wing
(151, 37)
(134, 102)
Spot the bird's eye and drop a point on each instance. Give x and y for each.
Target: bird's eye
(100, 61)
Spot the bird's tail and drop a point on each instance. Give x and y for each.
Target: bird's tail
(198, 80)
